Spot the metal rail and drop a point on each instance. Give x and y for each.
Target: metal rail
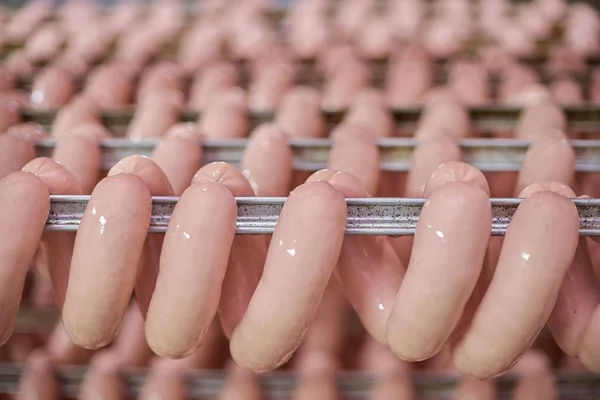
(585, 119)
(312, 154)
(369, 216)
(280, 385)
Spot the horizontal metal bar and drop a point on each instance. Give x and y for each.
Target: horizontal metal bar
(395, 153)
(584, 118)
(280, 385)
(369, 216)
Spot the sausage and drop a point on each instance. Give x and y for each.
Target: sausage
(299, 114)
(376, 40)
(351, 143)
(369, 109)
(344, 84)
(368, 269)
(110, 86)
(212, 80)
(501, 319)
(316, 376)
(406, 17)
(566, 91)
(544, 118)
(45, 43)
(26, 20)
(298, 289)
(38, 380)
(52, 88)
(247, 254)
(178, 335)
(163, 382)
(430, 301)
(158, 184)
(548, 158)
(267, 162)
(179, 155)
(469, 83)
(269, 86)
(102, 380)
(200, 46)
(534, 387)
(407, 81)
(130, 346)
(225, 117)
(445, 116)
(163, 77)
(62, 351)
(25, 205)
(10, 114)
(17, 147)
(79, 152)
(475, 389)
(109, 241)
(240, 383)
(56, 247)
(79, 111)
(154, 117)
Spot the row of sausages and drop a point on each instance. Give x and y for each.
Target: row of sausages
(245, 30)
(408, 80)
(467, 295)
(315, 365)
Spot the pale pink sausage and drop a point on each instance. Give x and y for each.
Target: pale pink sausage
(351, 144)
(62, 351)
(158, 185)
(224, 119)
(45, 43)
(209, 237)
(109, 86)
(240, 384)
(548, 158)
(130, 347)
(209, 82)
(79, 152)
(502, 329)
(25, 206)
(179, 155)
(565, 60)
(444, 116)
(38, 380)
(247, 254)
(329, 330)
(474, 389)
(566, 91)
(268, 161)
(154, 117)
(469, 83)
(368, 269)
(316, 376)
(104, 267)
(103, 380)
(543, 118)
(200, 46)
(269, 86)
(8, 78)
(407, 81)
(17, 147)
(80, 110)
(376, 40)
(536, 386)
(52, 88)
(272, 330)
(163, 382)
(10, 114)
(299, 114)
(456, 220)
(56, 247)
(370, 110)
(26, 20)
(163, 77)
(344, 84)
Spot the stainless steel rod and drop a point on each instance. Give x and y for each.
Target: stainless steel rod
(395, 153)
(584, 118)
(280, 385)
(369, 216)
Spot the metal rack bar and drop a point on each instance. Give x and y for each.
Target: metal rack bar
(395, 153)
(489, 119)
(352, 385)
(369, 216)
